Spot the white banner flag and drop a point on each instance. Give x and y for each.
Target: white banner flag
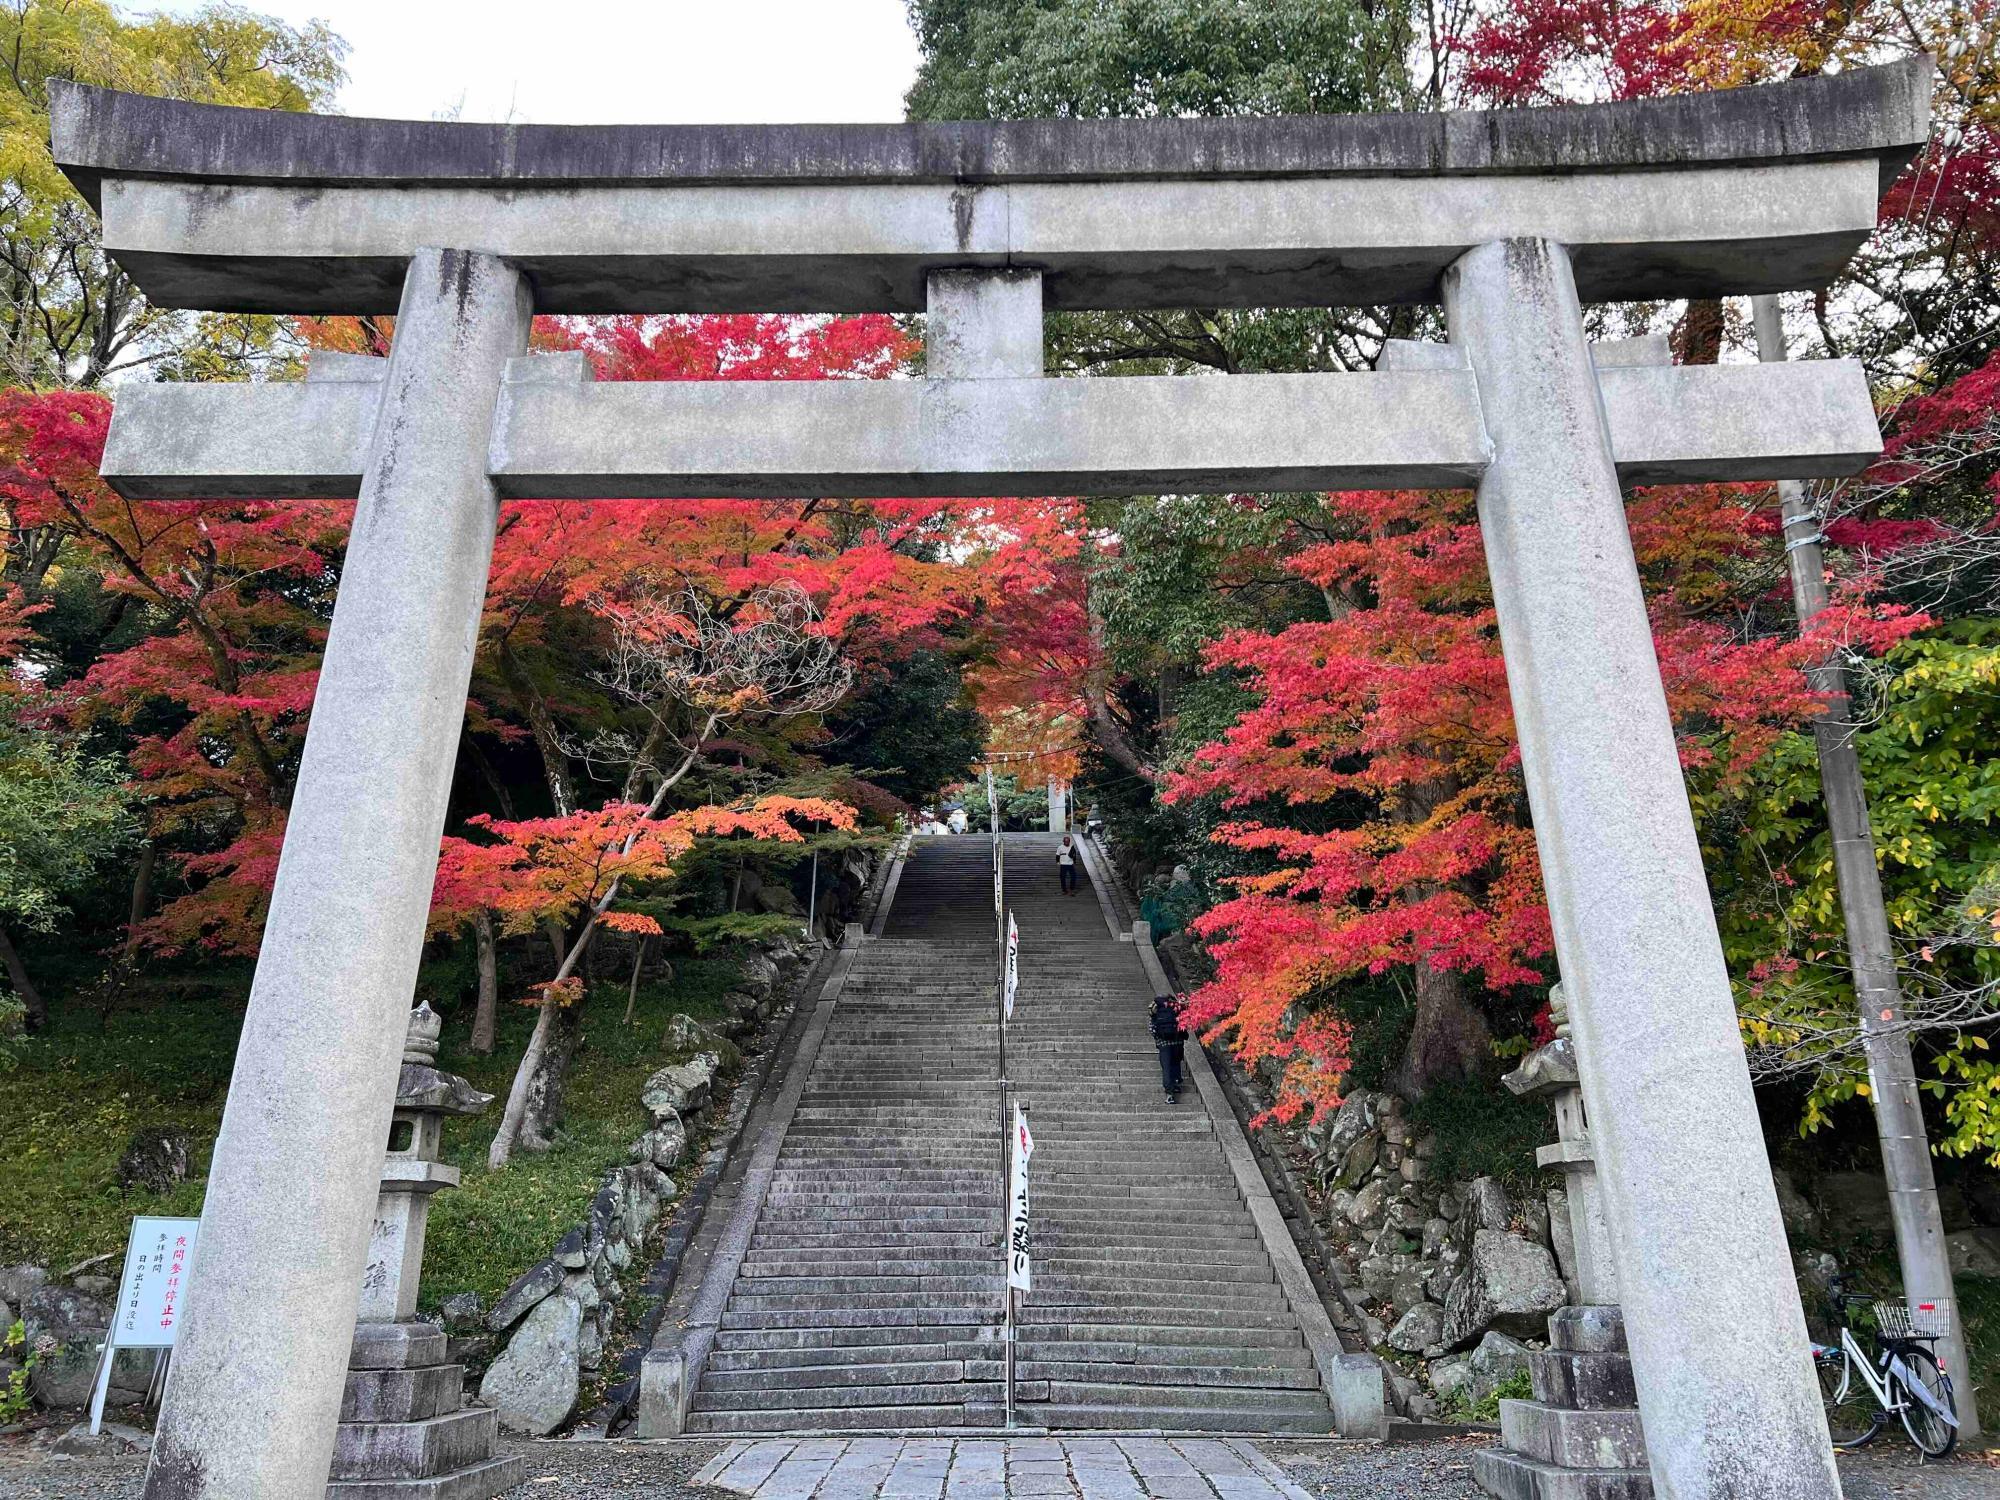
(1013, 964)
(1017, 1212)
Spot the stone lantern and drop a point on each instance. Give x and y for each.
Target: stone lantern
(1580, 1436)
(404, 1431)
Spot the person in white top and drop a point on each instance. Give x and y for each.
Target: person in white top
(1066, 864)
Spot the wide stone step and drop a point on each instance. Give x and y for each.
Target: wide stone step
(790, 1377)
(1049, 1341)
(860, 1317)
(851, 1419)
(1236, 1379)
(817, 1339)
(1096, 1417)
(814, 1398)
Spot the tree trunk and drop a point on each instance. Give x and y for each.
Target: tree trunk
(142, 901)
(36, 1009)
(543, 1108)
(1697, 338)
(632, 990)
(542, 726)
(485, 1014)
(1449, 1038)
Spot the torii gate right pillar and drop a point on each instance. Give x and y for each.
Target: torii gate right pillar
(1719, 1344)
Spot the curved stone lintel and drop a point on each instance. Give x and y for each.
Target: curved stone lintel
(1881, 112)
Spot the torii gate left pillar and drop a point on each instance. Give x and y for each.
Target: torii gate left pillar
(345, 932)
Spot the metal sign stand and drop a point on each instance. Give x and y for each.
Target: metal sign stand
(157, 1253)
(1018, 1264)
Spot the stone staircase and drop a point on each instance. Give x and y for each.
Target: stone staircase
(870, 1297)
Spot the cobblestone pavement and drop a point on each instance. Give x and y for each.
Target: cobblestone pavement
(1064, 1468)
(1079, 1467)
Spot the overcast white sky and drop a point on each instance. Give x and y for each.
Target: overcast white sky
(605, 61)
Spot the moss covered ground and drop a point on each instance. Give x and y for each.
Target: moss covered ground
(161, 1053)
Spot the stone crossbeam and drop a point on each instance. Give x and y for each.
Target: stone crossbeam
(1748, 190)
(565, 438)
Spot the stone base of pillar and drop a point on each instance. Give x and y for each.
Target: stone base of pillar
(404, 1432)
(1580, 1438)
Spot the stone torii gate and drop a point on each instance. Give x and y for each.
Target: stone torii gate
(1510, 219)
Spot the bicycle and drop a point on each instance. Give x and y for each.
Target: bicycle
(1903, 1376)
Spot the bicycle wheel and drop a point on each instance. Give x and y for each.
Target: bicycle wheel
(1853, 1416)
(1933, 1435)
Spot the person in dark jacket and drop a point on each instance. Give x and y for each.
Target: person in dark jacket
(1171, 1041)
(1066, 864)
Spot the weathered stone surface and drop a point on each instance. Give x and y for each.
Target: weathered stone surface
(18, 1283)
(1497, 1360)
(66, 1314)
(158, 1157)
(1449, 1375)
(572, 1250)
(462, 1311)
(1359, 1160)
(1421, 1328)
(533, 1384)
(681, 1088)
(62, 1379)
(534, 1284)
(685, 1034)
(1974, 1252)
(1488, 1203)
(665, 1145)
(1368, 1207)
(1509, 1282)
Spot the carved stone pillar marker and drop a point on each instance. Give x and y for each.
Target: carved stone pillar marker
(403, 1433)
(1580, 1437)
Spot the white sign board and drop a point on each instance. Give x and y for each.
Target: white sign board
(1018, 1274)
(148, 1315)
(1013, 965)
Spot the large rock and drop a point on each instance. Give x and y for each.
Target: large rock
(685, 1034)
(1421, 1328)
(1369, 1206)
(19, 1283)
(158, 1157)
(533, 1285)
(1974, 1252)
(1497, 1360)
(67, 1315)
(1359, 1160)
(681, 1088)
(1509, 1283)
(1488, 1203)
(533, 1384)
(62, 1378)
(665, 1145)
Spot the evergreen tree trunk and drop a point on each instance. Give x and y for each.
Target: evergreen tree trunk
(1450, 1038)
(36, 1009)
(142, 902)
(485, 1015)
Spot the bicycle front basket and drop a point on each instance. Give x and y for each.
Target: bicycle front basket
(1913, 1320)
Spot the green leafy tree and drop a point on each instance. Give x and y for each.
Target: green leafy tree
(62, 814)
(1926, 752)
(911, 730)
(67, 315)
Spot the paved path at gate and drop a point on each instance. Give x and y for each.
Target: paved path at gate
(1050, 1468)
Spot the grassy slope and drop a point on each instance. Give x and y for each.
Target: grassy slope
(90, 1080)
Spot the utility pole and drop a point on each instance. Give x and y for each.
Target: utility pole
(1892, 1073)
